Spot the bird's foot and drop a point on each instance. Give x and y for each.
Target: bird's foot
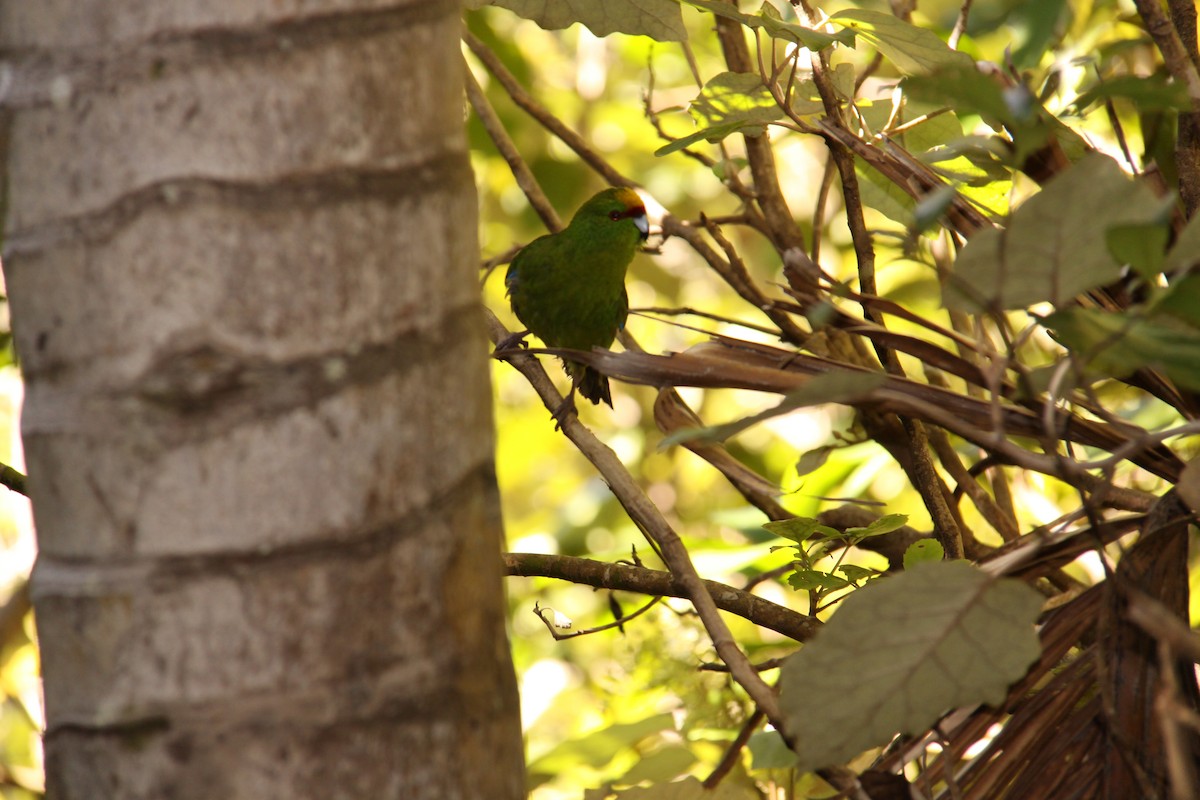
(564, 409)
(509, 343)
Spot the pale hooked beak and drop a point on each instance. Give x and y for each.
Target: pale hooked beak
(642, 223)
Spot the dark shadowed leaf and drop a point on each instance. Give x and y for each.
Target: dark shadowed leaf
(902, 651)
(883, 195)
(855, 573)
(658, 19)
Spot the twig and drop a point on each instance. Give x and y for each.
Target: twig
(960, 25)
(632, 578)
(738, 280)
(617, 623)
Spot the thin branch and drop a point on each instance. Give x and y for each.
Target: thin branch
(737, 278)
(546, 119)
(759, 152)
(504, 145)
(642, 580)
(652, 523)
(618, 623)
(960, 25)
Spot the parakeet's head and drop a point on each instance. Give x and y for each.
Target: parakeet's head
(620, 206)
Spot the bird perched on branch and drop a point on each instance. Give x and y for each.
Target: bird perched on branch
(568, 288)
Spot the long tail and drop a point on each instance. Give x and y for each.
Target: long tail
(594, 387)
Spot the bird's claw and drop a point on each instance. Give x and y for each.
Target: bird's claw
(565, 408)
(515, 341)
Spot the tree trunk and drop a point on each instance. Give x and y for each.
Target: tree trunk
(240, 249)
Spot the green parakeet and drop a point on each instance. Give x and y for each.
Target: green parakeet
(568, 288)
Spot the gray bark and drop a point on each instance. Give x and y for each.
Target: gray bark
(240, 251)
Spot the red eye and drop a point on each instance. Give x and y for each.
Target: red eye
(614, 215)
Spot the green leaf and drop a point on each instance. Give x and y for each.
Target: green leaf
(735, 97)
(1185, 253)
(855, 574)
(729, 103)
(813, 460)
(902, 651)
(1149, 93)
(805, 99)
(769, 751)
(713, 134)
(775, 27)
(660, 766)
(883, 195)
(1040, 24)
(913, 50)
(807, 580)
(923, 551)
(932, 206)
(1140, 245)
(1181, 300)
(799, 529)
(600, 747)
(1055, 247)
(658, 19)
(885, 524)
(1117, 344)
(936, 131)
(968, 91)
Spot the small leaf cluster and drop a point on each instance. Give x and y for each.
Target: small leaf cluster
(815, 542)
